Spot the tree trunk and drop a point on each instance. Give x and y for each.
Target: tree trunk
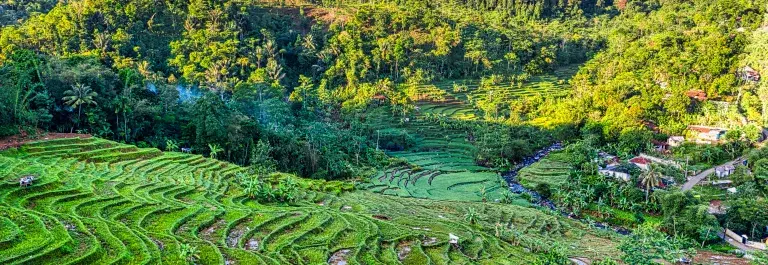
(646, 194)
(79, 111)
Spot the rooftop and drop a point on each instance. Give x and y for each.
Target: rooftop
(704, 129)
(640, 160)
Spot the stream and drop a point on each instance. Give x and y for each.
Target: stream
(514, 186)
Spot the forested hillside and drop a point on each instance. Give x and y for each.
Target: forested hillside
(275, 73)
(370, 132)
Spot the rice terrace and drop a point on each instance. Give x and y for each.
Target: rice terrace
(99, 202)
(403, 132)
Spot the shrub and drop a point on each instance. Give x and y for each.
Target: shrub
(285, 190)
(543, 189)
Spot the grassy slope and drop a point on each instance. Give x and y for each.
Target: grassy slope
(140, 206)
(551, 170)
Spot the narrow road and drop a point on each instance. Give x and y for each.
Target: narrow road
(696, 179)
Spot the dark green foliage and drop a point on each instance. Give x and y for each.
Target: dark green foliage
(543, 189)
(24, 102)
(686, 215)
(748, 216)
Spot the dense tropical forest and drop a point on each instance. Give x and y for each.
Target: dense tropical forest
(383, 132)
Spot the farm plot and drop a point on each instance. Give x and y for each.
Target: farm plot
(99, 202)
(439, 166)
(450, 91)
(548, 171)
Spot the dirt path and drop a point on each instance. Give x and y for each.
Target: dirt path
(708, 257)
(18, 140)
(696, 179)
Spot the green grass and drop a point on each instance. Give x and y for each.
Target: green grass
(136, 209)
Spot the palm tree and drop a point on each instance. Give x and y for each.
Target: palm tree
(77, 96)
(650, 179)
(215, 149)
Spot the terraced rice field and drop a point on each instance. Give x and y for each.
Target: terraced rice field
(100, 202)
(549, 171)
(546, 85)
(440, 166)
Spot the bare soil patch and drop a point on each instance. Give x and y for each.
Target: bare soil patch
(16, 141)
(708, 257)
(209, 233)
(236, 233)
(339, 257)
(382, 217)
(404, 248)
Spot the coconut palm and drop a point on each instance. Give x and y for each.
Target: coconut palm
(77, 96)
(650, 179)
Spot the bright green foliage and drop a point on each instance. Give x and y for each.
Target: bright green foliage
(176, 208)
(171, 146)
(471, 216)
(286, 190)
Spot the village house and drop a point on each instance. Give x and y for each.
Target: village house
(379, 98)
(660, 146)
(749, 74)
(699, 95)
(675, 141)
(724, 171)
(705, 134)
(615, 173)
(607, 159)
(651, 126)
(723, 183)
(641, 162)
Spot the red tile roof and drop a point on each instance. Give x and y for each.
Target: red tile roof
(696, 94)
(703, 129)
(379, 97)
(640, 160)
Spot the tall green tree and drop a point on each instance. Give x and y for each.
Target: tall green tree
(78, 96)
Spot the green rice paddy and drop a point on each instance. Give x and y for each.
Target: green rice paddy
(553, 84)
(100, 202)
(441, 165)
(548, 171)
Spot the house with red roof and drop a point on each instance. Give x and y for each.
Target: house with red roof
(641, 162)
(706, 134)
(699, 95)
